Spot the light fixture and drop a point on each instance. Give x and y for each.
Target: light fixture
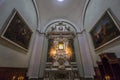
(60, 0)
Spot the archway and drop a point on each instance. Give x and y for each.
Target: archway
(61, 56)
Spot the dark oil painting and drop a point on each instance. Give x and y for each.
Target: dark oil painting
(105, 30)
(17, 31)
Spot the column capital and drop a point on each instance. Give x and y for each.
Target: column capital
(81, 32)
(40, 33)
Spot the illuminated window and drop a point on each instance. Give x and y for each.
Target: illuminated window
(60, 45)
(60, 0)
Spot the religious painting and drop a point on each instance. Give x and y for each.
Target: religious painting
(105, 30)
(17, 31)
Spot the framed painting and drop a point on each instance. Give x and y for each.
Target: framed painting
(17, 31)
(105, 30)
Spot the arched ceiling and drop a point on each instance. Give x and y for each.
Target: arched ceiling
(71, 10)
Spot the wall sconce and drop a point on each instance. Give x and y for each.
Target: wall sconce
(107, 77)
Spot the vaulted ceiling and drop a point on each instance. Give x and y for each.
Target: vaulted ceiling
(71, 10)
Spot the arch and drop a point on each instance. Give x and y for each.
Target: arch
(84, 12)
(37, 13)
(58, 20)
(75, 42)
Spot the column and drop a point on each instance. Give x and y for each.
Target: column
(86, 55)
(36, 52)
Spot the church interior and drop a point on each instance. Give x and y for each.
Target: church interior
(59, 40)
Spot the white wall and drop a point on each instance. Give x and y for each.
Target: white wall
(10, 55)
(94, 11)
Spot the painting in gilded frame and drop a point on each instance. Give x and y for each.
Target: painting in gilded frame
(17, 31)
(106, 30)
